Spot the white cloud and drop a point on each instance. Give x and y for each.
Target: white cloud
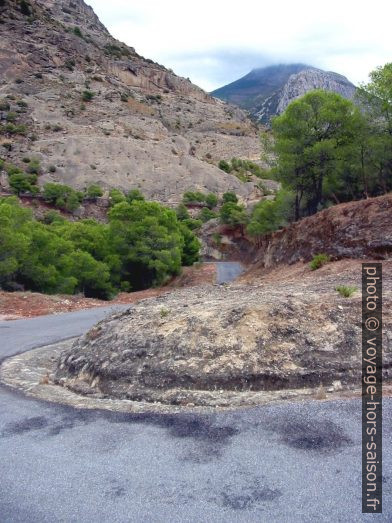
(214, 42)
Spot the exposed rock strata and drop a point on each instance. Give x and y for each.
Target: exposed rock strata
(360, 229)
(192, 345)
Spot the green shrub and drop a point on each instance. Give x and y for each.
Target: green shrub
(77, 32)
(190, 197)
(11, 128)
(182, 212)
(52, 217)
(225, 166)
(206, 215)
(62, 196)
(4, 105)
(22, 182)
(211, 200)
(233, 214)
(94, 191)
(11, 117)
(192, 224)
(229, 197)
(34, 166)
(134, 195)
(12, 169)
(52, 168)
(164, 313)
(345, 290)
(318, 261)
(116, 196)
(269, 215)
(87, 95)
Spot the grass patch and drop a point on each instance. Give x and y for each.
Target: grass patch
(345, 290)
(319, 260)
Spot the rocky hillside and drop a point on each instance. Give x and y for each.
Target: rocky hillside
(267, 91)
(92, 110)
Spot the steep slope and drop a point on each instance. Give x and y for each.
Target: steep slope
(96, 111)
(267, 91)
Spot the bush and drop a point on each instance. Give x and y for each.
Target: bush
(77, 32)
(345, 290)
(87, 95)
(10, 128)
(4, 105)
(318, 261)
(182, 212)
(33, 166)
(206, 214)
(232, 214)
(229, 197)
(22, 183)
(190, 197)
(116, 196)
(134, 195)
(269, 215)
(11, 117)
(62, 196)
(211, 200)
(52, 217)
(225, 166)
(94, 191)
(192, 224)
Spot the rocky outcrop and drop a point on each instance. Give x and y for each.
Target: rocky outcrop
(360, 229)
(208, 345)
(145, 127)
(267, 92)
(310, 79)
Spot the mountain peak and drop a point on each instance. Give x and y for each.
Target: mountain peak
(266, 91)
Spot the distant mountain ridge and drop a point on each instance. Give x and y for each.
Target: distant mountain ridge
(267, 91)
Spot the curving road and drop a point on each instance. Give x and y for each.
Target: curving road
(295, 462)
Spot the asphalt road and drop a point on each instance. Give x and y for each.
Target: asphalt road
(286, 463)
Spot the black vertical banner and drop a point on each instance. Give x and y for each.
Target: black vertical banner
(371, 388)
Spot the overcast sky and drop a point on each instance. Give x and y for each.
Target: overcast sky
(214, 42)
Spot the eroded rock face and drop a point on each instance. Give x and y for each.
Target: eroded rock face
(310, 79)
(360, 229)
(145, 127)
(195, 345)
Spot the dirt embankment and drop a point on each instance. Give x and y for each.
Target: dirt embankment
(355, 230)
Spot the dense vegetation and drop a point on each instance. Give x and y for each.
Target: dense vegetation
(329, 150)
(142, 245)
